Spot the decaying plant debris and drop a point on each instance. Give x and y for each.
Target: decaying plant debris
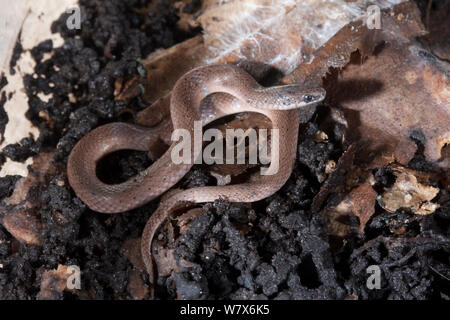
(407, 192)
(370, 185)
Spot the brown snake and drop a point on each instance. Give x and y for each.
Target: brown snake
(235, 91)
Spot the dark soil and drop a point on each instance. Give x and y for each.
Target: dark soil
(17, 51)
(285, 251)
(3, 116)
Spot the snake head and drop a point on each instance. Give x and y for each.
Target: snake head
(294, 96)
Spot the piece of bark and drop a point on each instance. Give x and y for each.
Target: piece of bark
(359, 203)
(336, 181)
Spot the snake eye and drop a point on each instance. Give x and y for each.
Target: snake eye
(308, 98)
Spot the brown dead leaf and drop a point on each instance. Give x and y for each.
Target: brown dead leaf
(407, 192)
(438, 38)
(335, 53)
(336, 181)
(398, 93)
(360, 203)
(355, 36)
(445, 180)
(165, 67)
(243, 121)
(131, 249)
(25, 227)
(163, 250)
(132, 88)
(185, 219)
(20, 208)
(53, 283)
(136, 286)
(188, 12)
(164, 259)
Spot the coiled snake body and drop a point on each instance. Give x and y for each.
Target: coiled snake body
(235, 91)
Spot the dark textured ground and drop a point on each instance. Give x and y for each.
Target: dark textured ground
(284, 254)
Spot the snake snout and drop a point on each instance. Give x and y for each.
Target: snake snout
(294, 96)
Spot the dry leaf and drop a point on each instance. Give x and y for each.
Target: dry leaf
(131, 249)
(184, 220)
(408, 193)
(20, 208)
(438, 38)
(222, 180)
(336, 181)
(164, 259)
(360, 203)
(400, 92)
(53, 283)
(136, 286)
(165, 67)
(25, 227)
